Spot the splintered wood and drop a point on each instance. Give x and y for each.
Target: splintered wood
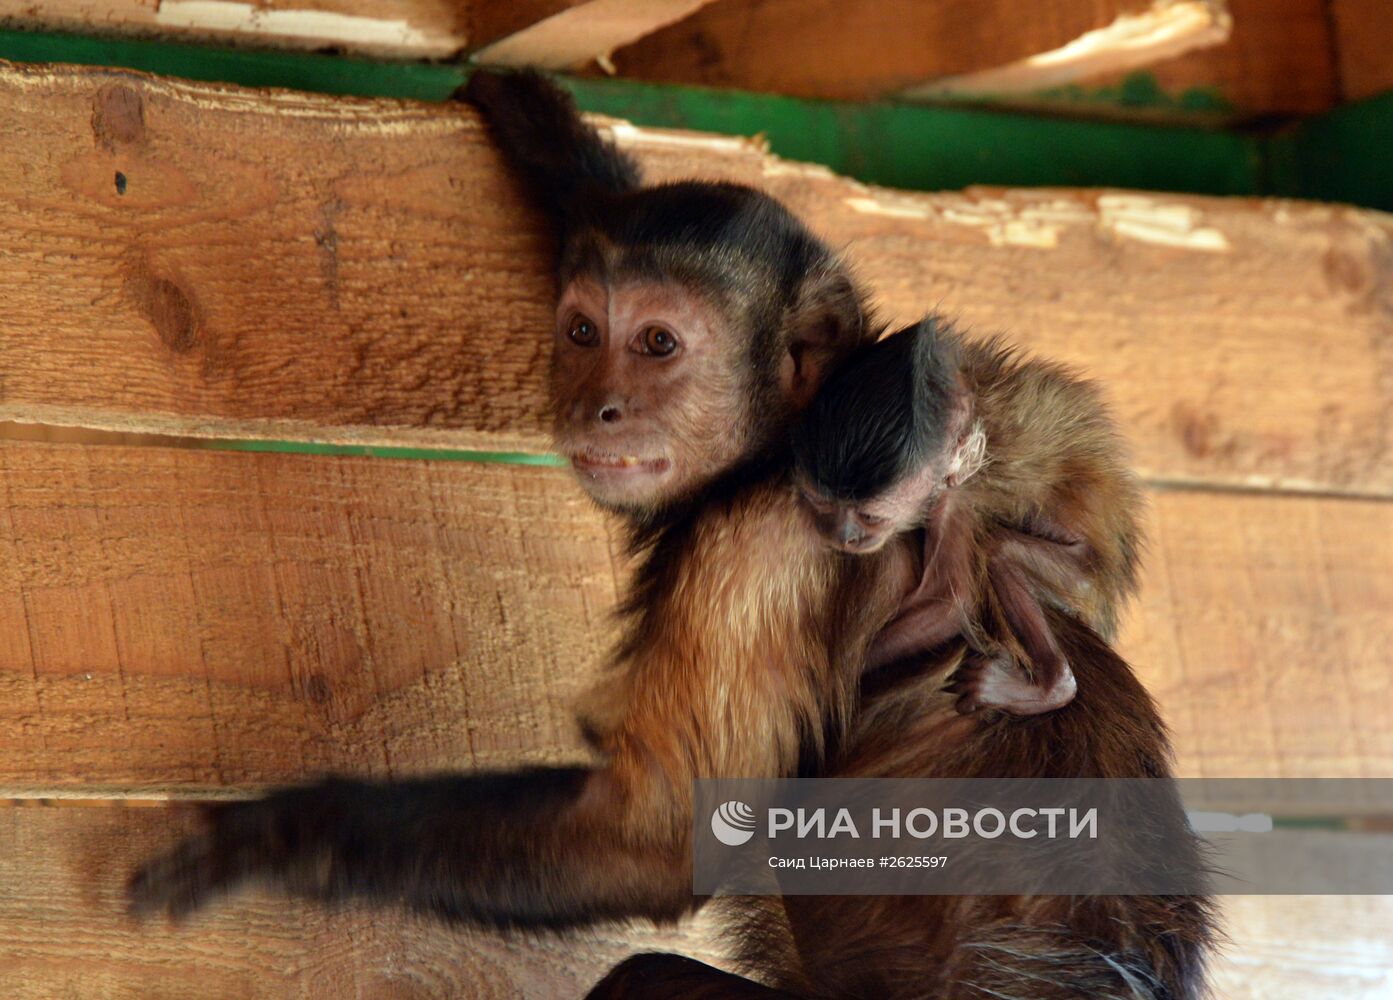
(174, 621)
(399, 29)
(858, 49)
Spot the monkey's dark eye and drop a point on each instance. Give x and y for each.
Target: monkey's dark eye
(658, 341)
(581, 331)
(871, 520)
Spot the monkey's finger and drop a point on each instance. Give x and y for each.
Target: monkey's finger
(186, 879)
(170, 883)
(967, 704)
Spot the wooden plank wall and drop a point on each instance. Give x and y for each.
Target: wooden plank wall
(190, 623)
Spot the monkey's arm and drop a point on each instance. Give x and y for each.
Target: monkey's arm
(945, 589)
(730, 675)
(545, 847)
(1019, 566)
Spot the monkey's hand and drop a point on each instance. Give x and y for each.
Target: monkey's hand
(284, 841)
(997, 680)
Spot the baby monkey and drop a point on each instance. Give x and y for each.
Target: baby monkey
(1020, 482)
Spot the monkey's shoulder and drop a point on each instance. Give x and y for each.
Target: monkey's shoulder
(1054, 457)
(1046, 427)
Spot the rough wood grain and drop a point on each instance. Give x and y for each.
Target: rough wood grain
(401, 29)
(1306, 948)
(1363, 40)
(285, 265)
(1278, 60)
(1263, 630)
(856, 49)
(173, 618)
(563, 35)
(63, 932)
(1133, 39)
(183, 621)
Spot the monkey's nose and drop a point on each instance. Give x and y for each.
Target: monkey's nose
(848, 534)
(610, 414)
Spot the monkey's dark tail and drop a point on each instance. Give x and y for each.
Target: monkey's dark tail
(563, 160)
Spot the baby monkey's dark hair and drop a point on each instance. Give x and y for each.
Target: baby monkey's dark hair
(881, 414)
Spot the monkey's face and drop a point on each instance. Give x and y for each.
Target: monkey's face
(650, 391)
(864, 526)
(851, 526)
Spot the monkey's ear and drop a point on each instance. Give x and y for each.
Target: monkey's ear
(827, 322)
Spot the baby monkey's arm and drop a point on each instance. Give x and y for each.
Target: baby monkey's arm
(1020, 566)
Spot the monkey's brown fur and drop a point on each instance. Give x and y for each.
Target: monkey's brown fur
(743, 657)
(1052, 450)
(1051, 517)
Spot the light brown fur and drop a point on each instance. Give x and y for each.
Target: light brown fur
(1052, 450)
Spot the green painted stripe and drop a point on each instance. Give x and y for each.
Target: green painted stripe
(1311, 822)
(375, 451)
(247, 67)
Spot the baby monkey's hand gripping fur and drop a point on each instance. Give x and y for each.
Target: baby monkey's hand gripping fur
(1021, 487)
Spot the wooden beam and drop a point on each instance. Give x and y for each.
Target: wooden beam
(1278, 60)
(395, 29)
(63, 933)
(563, 35)
(1262, 629)
(857, 49)
(1166, 29)
(1363, 38)
(1305, 948)
(178, 622)
(235, 282)
(553, 33)
(174, 619)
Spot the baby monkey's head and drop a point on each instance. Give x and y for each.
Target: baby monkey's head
(882, 438)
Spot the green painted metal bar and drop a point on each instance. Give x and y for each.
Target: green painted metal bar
(1345, 155)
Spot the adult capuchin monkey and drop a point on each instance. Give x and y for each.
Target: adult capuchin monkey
(694, 319)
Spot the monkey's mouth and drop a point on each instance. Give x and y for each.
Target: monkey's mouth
(861, 545)
(594, 462)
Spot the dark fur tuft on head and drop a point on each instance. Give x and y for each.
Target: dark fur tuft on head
(563, 160)
(882, 414)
